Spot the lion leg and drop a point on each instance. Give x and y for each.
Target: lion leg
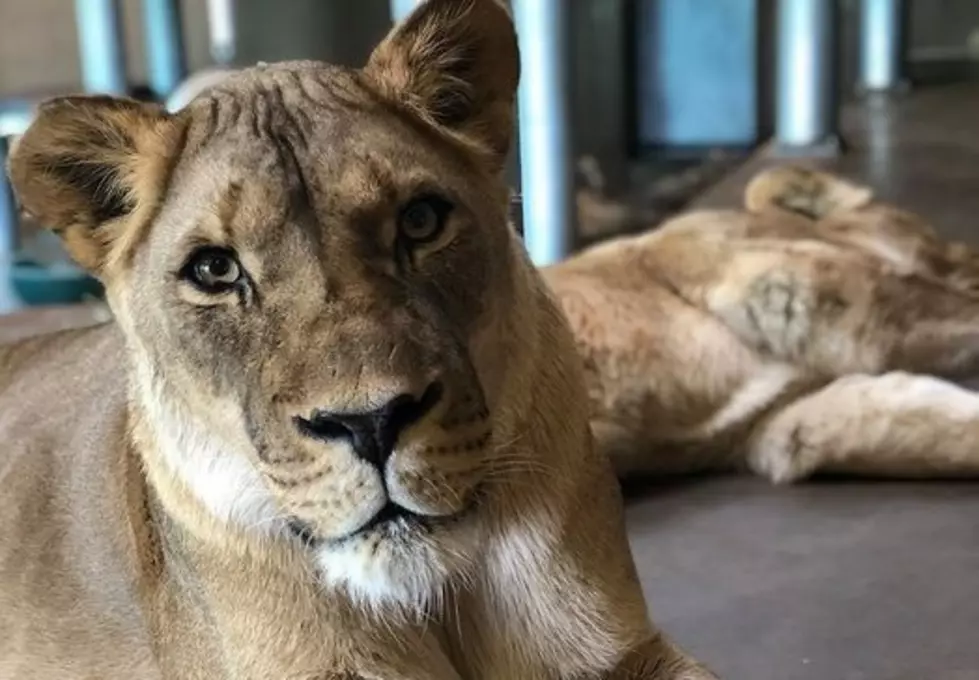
(957, 264)
(657, 659)
(669, 384)
(636, 452)
(836, 314)
(845, 212)
(907, 244)
(894, 425)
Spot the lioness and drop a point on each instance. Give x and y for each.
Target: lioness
(817, 330)
(338, 428)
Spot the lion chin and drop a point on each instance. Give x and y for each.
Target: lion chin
(400, 558)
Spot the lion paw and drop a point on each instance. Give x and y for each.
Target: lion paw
(784, 456)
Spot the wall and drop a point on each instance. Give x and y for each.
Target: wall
(600, 88)
(337, 31)
(39, 44)
(697, 71)
(941, 29)
(39, 52)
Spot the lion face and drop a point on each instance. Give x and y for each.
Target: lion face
(326, 286)
(315, 276)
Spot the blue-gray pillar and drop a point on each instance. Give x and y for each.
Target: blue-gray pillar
(221, 31)
(8, 212)
(8, 235)
(402, 8)
(545, 144)
(100, 41)
(163, 34)
(807, 101)
(882, 45)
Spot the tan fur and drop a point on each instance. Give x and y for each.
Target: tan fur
(165, 514)
(815, 331)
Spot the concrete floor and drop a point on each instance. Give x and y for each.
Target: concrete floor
(828, 581)
(834, 580)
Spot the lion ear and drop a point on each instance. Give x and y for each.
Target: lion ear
(86, 164)
(805, 192)
(456, 64)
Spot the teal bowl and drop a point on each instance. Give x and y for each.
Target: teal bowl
(53, 285)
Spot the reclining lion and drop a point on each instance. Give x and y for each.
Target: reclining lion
(817, 330)
(338, 428)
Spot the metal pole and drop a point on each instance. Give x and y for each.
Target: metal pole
(9, 227)
(8, 211)
(543, 111)
(164, 45)
(402, 8)
(100, 41)
(806, 87)
(221, 31)
(882, 45)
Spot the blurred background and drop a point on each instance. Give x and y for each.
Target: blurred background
(629, 108)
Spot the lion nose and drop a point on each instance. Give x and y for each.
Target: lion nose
(372, 434)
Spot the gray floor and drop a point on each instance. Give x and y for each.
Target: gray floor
(833, 580)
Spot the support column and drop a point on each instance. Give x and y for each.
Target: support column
(402, 8)
(8, 233)
(8, 211)
(166, 67)
(221, 31)
(545, 146)
(100, 40)
(807, 97)
(882, 26)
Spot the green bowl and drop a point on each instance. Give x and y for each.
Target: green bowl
(53, 285)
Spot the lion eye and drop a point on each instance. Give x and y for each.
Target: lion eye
(213, 270)
(423, 219)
